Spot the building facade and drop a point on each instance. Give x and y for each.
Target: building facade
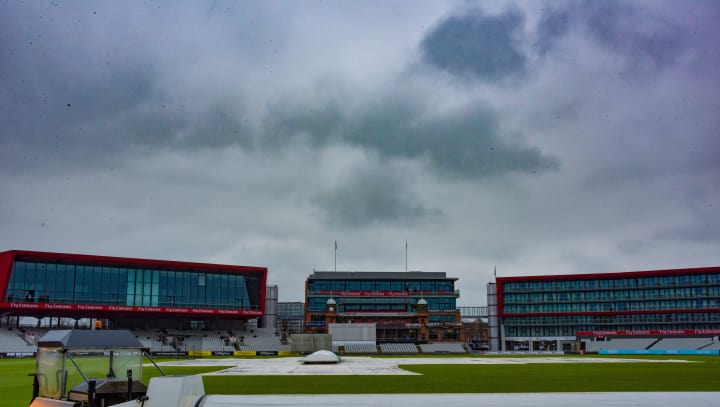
(291, 318)
(41, 284)
(411, 306)
(551, 312)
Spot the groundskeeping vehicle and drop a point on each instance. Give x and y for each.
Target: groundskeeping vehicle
(94, 368)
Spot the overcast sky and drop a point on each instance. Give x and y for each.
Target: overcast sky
(535, 137)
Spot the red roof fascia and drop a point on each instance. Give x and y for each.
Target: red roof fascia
(623, 274)
(601, 313)
(126, 261)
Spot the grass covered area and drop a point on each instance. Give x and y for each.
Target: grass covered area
(702, 375)
(542, 377)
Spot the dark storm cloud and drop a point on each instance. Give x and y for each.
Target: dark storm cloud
(462, 144)
(641, 38)
(75, 122)
(644, 37)
(477, 45)
(60, 122)
(82, 87)
(371, 196)
(467, 143)
(470, 143)
(58, 94)
(554, 24)
(259, 132)
(105, 101)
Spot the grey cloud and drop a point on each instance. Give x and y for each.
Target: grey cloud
(62, 109)
(128, 104)
(371, 196)
(82, 85)
(635, 247)
(76, 122)
(643, 36)
(470, 144)
(702, 221)
(554, 24)
(589, 263)
(640, 37)
(477, 45)
(467, 144)
(314, 125)
(702, 232)
(155, 151)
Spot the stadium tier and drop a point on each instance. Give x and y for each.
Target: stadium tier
(399, 348)
(567, 312)
(405, 307)
(23, 342)
(128, 292)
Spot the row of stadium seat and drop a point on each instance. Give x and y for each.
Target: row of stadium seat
(398, 348)
(13, 341)
(443, 348)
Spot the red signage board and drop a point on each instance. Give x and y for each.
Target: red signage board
(33, 306)
(650, 332)
(379, 293)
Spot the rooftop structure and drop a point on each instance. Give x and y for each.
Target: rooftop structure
(552, 311)
(122, 290)
(415, 306)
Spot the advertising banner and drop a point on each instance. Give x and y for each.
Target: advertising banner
(650, 332)
(40, 306)
(657, 352)
(199, 353)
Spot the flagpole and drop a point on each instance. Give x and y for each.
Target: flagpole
(406, 256)
(336, 256)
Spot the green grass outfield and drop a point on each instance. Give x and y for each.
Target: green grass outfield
(702, 375)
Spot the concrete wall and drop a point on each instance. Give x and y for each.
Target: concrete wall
(352, 333)
(308, 343)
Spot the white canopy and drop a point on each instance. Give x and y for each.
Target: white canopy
(321, 356)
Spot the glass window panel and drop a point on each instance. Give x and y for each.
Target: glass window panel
(162, 283)
(62, 275)
(19, 275)
(70, 283)
(106, 282)
(155, 288)
(211, 289)
(130, 287)
(234, 297)
(195, 289)
(39, 279)
(224, 290)
(79, 281)
(187, 284)
(147, 287)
